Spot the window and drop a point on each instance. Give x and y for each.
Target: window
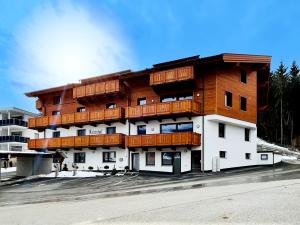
(109, 156)
(248, 155)
(243, 76)
(80, 109)
(56, 134)
(36, 135)
(175, 127)
(264, 156)
(79, 157)
(81, 132)
(141, 101)
(150, 158)
(16, 148)
(167, 158)
(228, 99)
(141, 129)
(247, 134)
(16, 133)
(111, 105)
(110, 130)
(54, 113)
(56, 100)
(222, 130)
(176, 97)
(222, 154)
(243, 103)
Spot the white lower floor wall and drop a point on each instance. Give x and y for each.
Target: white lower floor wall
(115, 158)
(268, 158)
(157, 165)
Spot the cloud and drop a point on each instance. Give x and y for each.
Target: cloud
(63, 43)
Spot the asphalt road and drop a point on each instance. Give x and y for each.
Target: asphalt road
(262, 196)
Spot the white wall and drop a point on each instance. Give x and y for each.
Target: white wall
(277, 158)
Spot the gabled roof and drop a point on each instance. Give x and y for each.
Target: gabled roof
(237, 58)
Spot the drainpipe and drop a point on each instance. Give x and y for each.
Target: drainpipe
(202, 152)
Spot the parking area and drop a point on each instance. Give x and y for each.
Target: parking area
(41, 190)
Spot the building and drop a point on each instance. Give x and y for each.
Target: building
(14, 132)
(191, 114)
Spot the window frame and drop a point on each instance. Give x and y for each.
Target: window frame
(226, 99)
(264, 159)
(115, 130)
(138, 101)
(172, 159)
(224, 130)
(242, 97)
(81, 130)
(225, 155)
(248, 153)
(137, 129)
(109, 161)
(80, 153)
(56, 132)
(57, 100)
(176, 125)
(247, 134)
(146, 158)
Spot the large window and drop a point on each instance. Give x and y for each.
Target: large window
(150, 158)
(81, 132)
(247, 134)
(79, 157)
(222, 130)
(228, 99)
(109, 156)
(141, 129)
(110, 130)
(167, 158)
(243, 102)
(56, 100)
(141, 101)
(172, 98)
(56, 134)
(111, 105)
(175, 127)
(243, 76)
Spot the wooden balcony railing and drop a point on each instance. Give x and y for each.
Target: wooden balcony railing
(107, 87)
(104, 140)
(164, 109)
(69, 119)
(172, 75)
(164, 140)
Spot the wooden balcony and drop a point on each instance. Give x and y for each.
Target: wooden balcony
(100, 88)
(187, 139)
(80, 118)
(173, 75)
(164, 110)
(101, 140)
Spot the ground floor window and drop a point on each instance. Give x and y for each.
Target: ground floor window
(248, 155)
(79, 157)
(150, 158)
(264, 156)
(222, 154)
(167, 158)
(109, 156)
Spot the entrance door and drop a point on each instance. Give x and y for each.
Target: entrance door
(135, 161)
(177, 163)
(196, 161)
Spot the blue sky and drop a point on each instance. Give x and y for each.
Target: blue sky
(48, 43)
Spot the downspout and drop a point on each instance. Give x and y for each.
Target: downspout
(202, 152)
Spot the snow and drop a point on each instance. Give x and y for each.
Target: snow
(9, 169)
(263, 145)
(80, 174)
(286, 157)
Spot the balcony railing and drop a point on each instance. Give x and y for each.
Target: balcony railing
(9, 122)
(164, 109)
(100, 88)
(13, 139)
(101, 140)
(172, 75)
(164, 140)
(80, 118)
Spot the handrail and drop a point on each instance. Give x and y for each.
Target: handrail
(9, 122)
(13, 139)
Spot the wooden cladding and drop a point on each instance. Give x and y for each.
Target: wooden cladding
(107, 87)
(172, 75)
(164, 140)
(77, 118)
(105, 140)
(38, 104)
(164, 109)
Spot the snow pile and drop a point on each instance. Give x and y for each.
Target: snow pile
(9, 169)
(286, 157)
(78, 174)
(262, 145)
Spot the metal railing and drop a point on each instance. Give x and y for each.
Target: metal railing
(13, 139)
(17, 122)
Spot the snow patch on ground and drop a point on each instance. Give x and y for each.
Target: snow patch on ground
(287, 157)
(80, 174)
(9, 169)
